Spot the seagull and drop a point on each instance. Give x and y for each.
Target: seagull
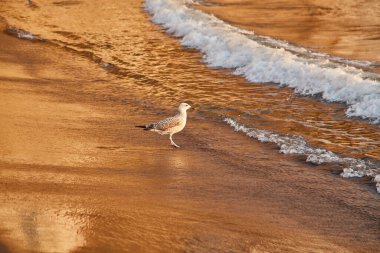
(170, 125)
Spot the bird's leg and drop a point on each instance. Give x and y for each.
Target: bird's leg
(172, 142)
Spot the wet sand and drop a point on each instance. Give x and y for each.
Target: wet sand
(77, 176)
(349, 29)
(146, 59)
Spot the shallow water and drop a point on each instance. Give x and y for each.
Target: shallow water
(121, 38)
(77, 178)
(346, 28)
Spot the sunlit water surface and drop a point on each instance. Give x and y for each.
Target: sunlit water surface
(121, 38)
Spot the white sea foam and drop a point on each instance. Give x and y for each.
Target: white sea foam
(277, 43)
(22, 34)
(377, 181)
(229, 47)
(297, 145)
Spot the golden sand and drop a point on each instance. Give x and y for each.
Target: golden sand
(77, 176)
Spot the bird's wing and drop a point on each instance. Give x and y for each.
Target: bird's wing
(166, 124)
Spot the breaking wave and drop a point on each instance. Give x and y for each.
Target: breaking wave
(297, 145)
(262, 59)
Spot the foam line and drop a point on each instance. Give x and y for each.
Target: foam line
(297, 145)
(229, 47)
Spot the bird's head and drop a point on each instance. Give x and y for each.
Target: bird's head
(183, 107)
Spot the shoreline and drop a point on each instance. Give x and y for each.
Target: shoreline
(78, 177)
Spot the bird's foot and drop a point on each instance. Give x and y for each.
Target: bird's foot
(175, 145)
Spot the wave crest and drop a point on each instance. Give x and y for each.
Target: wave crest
(229, 47)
